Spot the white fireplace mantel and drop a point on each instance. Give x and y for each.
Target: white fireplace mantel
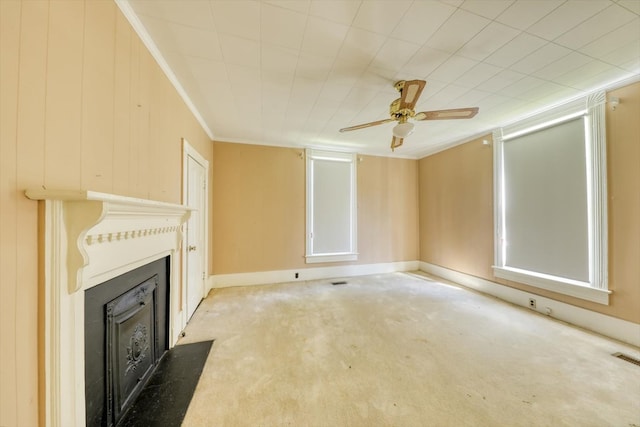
(88, 238)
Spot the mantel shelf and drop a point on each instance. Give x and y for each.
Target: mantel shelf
(95, 196)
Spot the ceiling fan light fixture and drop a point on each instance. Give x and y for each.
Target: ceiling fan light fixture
(402, 130)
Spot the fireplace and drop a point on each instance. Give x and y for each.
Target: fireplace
(125, 336)
(88, 239)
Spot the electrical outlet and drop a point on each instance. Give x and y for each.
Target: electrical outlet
(532, 303)
(296, 275)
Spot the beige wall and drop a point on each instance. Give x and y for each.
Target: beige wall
(83, 105)
(456, 210)
(259, 209)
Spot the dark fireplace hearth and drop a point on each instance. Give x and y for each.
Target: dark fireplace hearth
(126, 334)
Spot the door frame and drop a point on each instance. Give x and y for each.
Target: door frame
(189, 151)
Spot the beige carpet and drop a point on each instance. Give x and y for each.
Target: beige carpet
(401, 350)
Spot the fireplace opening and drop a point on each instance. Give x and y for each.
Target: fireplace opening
(126, 334)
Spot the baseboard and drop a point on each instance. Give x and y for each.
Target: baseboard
(612, 327)
(314, 273)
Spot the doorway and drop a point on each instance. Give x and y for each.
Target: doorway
(195, 172)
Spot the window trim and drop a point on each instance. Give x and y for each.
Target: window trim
(343, 157)
(592, 108)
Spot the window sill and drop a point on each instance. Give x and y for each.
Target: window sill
(317, 258)
(568, 287)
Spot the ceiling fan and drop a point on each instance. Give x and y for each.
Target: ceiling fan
(401, 110)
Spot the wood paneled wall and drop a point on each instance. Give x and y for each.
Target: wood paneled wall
(259, 209)
(83, 105)
(456, 210)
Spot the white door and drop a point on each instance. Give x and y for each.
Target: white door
(196, 198)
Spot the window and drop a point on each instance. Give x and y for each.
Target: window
(331, 206)
(550, 213)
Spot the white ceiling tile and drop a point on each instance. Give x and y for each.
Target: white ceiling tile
(275, 93)
(245, 81)
(487, 8)
(514, 109)
(426, 60)
(238, 51)
(331, 96)
(454, 3)
(380, 16)
(203, 69)
(361, 46)
(620, 37)
(598, 82)
(210, 77)
(246, 86)
(278, 59)
(542, 57)
(196, 42)
(380, 79)
(422, 20)
(632, 66)
(238, 18)
(550, 93)
(590, 69)
(357, 99)
(316, 121)
(376, 109)
(515, 50)
(342, 12)
(395, 53)
(301, 6)
(523, 13)
(521, 86)
(193, 13)
(477, 75)
(471, 98)
(282, 27)
(562, 66)
(624, 55)
(151, 8)
(487, 41)
(493, 101)
(632, 5)
(565, 17)
(457, 30)
(604, 22)
(453, 68)
(431, 89)
(305, 90)
(443, 99)
(313, 67)
(346, 72)
(323, 38)
(501, 80)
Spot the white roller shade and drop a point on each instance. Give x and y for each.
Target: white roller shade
(546, 227)
(331, 206)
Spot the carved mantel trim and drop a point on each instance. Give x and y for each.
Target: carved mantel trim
(88, 238)
(92, 221)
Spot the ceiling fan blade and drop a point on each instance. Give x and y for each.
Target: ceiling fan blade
(410, 93)
(396, 142)
(366, 125)
(456, 113)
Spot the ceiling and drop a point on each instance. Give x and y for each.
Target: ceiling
(291, 73)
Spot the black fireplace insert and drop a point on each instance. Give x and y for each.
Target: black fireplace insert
(126, 334)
